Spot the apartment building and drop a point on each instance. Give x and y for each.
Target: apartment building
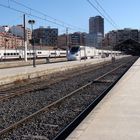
(9, 41)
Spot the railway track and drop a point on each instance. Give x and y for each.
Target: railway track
(58, 118)
(15, 108)
(38, 84)
(17, 63)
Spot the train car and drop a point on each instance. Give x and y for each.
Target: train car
(81, 52)
(42, 53)
(9, 54)
(19, 54)
(62, 53)
(57, 53)
(86, 52)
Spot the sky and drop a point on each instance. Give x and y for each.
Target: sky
(125, 13)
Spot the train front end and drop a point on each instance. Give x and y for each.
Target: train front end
(73, 53)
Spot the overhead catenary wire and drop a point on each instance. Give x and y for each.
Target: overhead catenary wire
(106, 13)
(45, 16)
(101, 13)
(29, 14)
(37, 11)
(31, 9)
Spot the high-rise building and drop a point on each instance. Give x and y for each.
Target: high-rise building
(96, 25)
(96, 32)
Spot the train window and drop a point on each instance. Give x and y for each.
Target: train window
(29, 53)
(15, 54)
(74, 49)
(53, 53)
(39, 52)
(10, 54)
(62, 53)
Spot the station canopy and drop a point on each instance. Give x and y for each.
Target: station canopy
(129, 46)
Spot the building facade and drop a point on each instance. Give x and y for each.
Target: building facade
(115, 37)
(18, 31)
(15, 35)
(46, 36)
(9, 41)
(96, 25)
(77, 38)
(96, 32)
(90, 39)
(63, 41)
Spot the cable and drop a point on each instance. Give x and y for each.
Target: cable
(5, 6)
(106, 13)
(100, 13)
(31, 9)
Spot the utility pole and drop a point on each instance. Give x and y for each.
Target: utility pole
(25, 39)
(31, 22)
(67, 38)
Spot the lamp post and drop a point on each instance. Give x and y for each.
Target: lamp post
(31, 22)
(6, 40)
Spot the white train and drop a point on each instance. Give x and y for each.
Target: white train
(19, 54)
(85, 52)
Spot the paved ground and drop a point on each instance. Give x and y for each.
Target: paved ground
(20, 63)
(9, 75)
(117, 116)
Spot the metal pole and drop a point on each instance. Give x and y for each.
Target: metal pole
(67, 37)
(33, 41)
(5, 50)
(25, 39)
(34, 65)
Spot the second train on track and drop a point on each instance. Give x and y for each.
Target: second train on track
(74, 53)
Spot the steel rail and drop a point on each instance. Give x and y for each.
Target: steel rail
(70, 127)
(46, 108)
(40, 87)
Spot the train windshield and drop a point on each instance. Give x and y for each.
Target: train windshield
(74, 49)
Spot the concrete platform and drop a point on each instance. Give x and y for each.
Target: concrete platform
(21, 63)
(117, 116)
(10, 75)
